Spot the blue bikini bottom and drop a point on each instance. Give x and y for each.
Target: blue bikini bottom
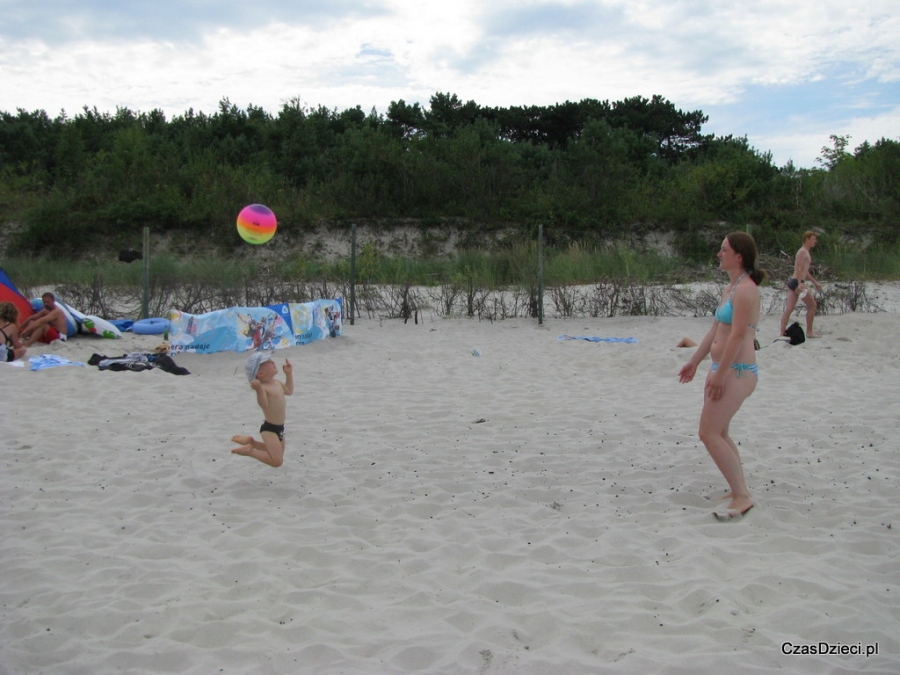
(740, 368)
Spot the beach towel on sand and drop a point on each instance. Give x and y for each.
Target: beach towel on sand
(50, 361)
(590, 338)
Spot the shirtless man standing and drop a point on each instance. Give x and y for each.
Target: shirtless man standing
(797, 289)
(47, 325)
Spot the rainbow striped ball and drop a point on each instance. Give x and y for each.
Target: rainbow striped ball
(256, 224)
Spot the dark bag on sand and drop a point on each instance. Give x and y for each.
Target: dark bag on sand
(795, 334)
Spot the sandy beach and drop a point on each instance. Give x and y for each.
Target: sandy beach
(541, 508)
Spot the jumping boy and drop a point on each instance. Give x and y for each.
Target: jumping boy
(261, 371)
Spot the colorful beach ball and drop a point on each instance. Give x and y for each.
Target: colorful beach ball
(256, 224)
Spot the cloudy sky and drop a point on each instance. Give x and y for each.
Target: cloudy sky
(785, 73)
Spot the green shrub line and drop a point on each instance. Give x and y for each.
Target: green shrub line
(512, 267)
(587, 171)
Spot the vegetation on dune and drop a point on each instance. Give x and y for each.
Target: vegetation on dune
(591, 172)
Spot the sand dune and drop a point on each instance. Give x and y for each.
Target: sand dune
(541, 508)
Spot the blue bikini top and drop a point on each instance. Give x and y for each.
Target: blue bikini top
(725, 313)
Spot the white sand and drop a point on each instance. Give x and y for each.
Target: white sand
(540, 509)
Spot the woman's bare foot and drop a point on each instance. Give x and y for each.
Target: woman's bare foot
(735, 509)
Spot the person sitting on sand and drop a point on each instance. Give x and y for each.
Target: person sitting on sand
(9, 317)
(733, 374)
(797, 290)
(47, 325)
(270, 395)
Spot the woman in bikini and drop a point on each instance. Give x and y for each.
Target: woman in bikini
(733, 374)
(9, 331)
